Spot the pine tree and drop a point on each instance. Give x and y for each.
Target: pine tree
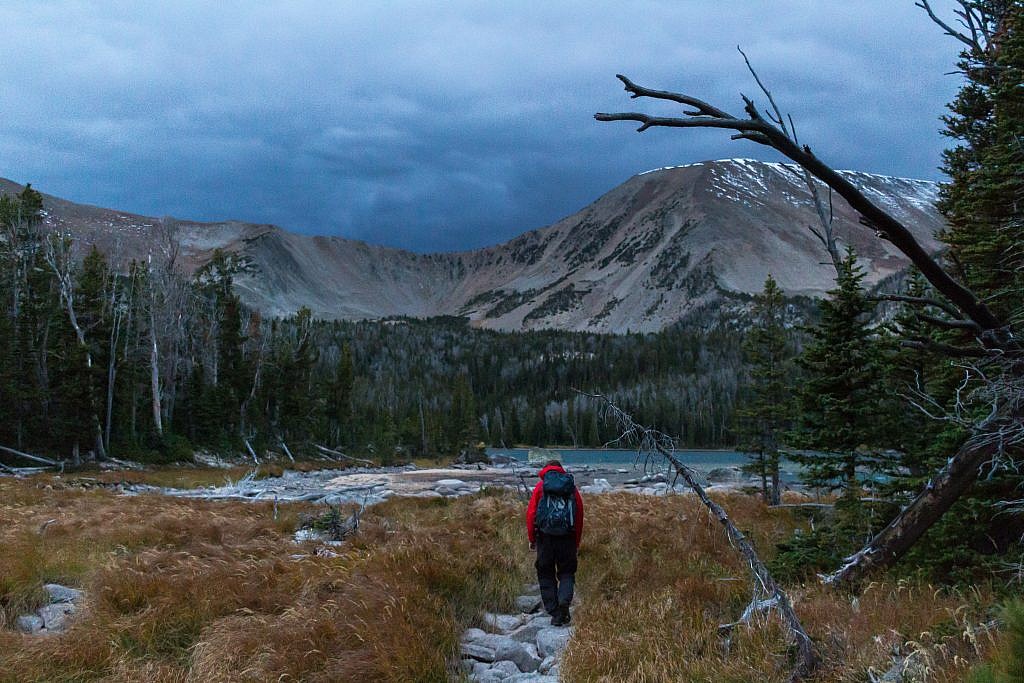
(839, 394)
(982, 202)
(766, 410)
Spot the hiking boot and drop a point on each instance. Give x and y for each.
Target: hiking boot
(557, 618)
(564, 617)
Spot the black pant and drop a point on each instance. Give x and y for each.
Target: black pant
(556, 569)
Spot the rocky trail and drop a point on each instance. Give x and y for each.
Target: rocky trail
(515, 647)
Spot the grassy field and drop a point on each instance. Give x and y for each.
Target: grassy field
(188, 590)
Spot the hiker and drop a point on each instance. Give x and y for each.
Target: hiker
(554, 523)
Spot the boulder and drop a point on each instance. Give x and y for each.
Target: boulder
(428, 494)
(603, 484)
(449, 483)
(447, 491)
(59, 593)
(548, 663)
(531, 678)
(29, 623)
(55, 616)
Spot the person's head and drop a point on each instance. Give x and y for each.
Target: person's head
(553, 463)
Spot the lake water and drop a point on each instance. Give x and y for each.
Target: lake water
(700, 460)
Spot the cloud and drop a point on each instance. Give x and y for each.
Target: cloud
(436, 126)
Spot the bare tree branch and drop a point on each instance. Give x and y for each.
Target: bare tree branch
(970, 41)
(918, 301)
(760, 130)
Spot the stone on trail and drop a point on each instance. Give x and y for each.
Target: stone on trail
(531, 678)
(449, 483)
(473, 634)
(502, 623)
(59, 593)
(551, 641)
(506, 668)
(528, 604)
(527, 633)
(493, 647)
(29, 623)
(547, 664)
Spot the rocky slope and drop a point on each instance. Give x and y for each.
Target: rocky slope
(661, 247)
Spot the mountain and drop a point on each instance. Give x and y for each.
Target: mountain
(662, 247)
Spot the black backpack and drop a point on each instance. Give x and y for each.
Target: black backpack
(556, 510)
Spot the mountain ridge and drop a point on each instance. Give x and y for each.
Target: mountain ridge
(662, 245)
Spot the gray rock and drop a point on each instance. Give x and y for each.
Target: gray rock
(59, 593)
(55, 616)
(649, 491)
(493, 647)
(447, 491)
(473, 634)
(29, 623)
(449, 483)
(502, 623)
(428, 494)
(528, 604)
(479, 650)
(506, 668)
(603, 484)
(527, 633)
(531, 678)
(551, 641)
(547, 664)
(524, 655)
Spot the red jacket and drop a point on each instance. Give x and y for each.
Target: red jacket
(531, 509)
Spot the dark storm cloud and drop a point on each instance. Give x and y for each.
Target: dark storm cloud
(436, 126)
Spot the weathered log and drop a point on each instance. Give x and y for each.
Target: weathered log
(287, 452)
(252, 452)
(339, 454)
(29, 456)
(889, 544)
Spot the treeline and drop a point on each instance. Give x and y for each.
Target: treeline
(136, 361)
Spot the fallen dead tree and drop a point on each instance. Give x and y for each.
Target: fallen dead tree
(338, 454)
(33, 458)
(767, 593)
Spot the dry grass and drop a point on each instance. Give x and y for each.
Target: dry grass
(207, 591)
(188, 590)
(660, 577)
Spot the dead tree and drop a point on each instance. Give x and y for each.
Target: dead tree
(58, 256)
(998, 345)
(767, 593)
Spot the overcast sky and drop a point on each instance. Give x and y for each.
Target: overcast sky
(437, 125)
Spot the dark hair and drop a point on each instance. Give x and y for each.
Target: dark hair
(553, 462)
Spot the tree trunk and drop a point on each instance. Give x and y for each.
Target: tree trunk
(892, 542)
(154, 371)
(776, 486)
